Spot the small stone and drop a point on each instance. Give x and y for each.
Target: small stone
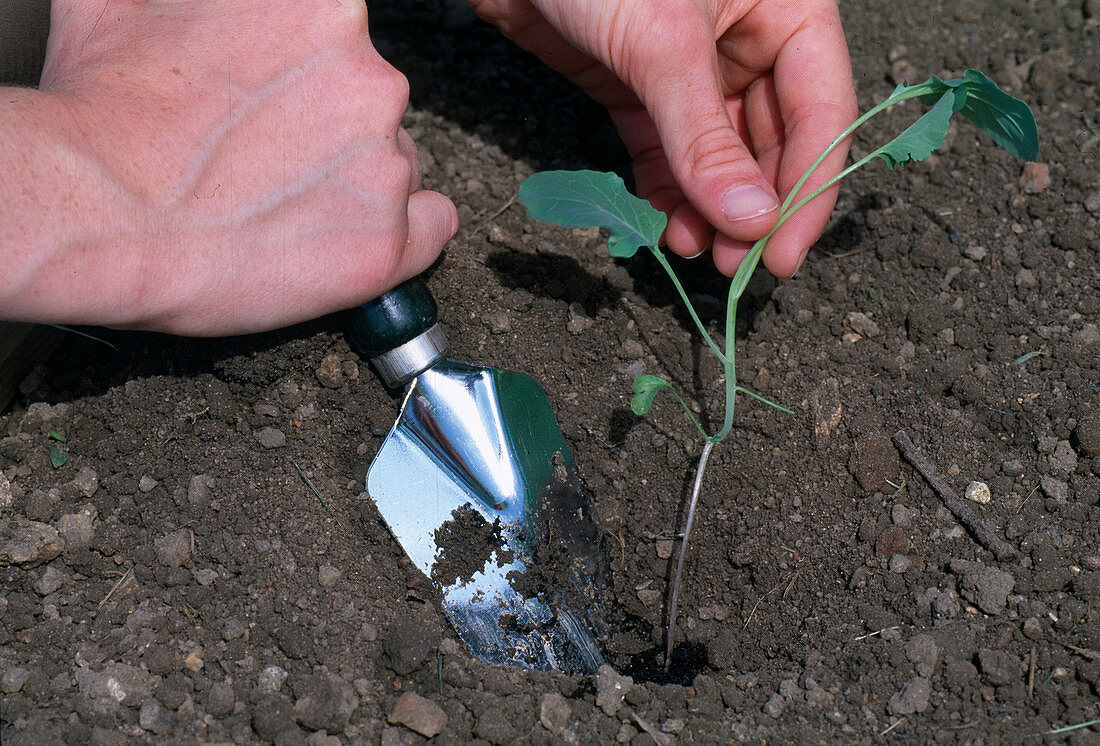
(555, 713)
(902, 516)
(1013, 467)
(270, 437)
(775, 705)
(86, 481)
(6, 496)
(116, 683)
(978, 492)
(899, 563)
(1025, 279)
(13, 679)
(419, 714)
(271, 679)
(198, 490)
(874, 460)
(1055, 488)
(1064, 459)
(912, 698)
(175, 549)
(234, 629)
(611, 687)
(330, 372)
(51, 580)
(325, 702)
(578, 322)
(205, 576)
(1087, 336)
(193, 662)
(1033, 628)
(220, 699)
(986, 587)
(328, 576)
(272, 715)
(1087, 434)
(154, 718)
(998, 667)
(147, 484)
(664, 548)
(862, 324)
(923, 652)
(27, 543)
(1035, 177)
(1087, 586)
(78, 529)
(975, 253)
(500, 322)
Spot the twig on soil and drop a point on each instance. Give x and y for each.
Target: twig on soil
(788, 580)
(115, 587)
(1092, 655)
(1031, 673)
(1033, 490)
(876, 632)
(1002, 550)
(496, 214)
(320, 497)
(895, 724)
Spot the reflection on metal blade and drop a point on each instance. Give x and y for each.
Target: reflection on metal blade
(486, 440)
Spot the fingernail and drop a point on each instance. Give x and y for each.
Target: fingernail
(696, 255)
(747, 201)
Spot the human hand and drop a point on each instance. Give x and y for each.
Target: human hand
(215, 167)
(721, 104)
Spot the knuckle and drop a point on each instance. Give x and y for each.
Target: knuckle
(713, 147)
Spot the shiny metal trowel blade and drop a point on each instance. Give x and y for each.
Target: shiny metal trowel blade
(484, 442)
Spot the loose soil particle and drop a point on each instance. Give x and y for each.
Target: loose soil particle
(965, 264)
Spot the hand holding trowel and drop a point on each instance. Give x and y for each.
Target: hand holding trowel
(478, 486)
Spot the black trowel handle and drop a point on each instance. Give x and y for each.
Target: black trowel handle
(399, 332)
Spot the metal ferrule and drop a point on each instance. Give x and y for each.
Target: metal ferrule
(401, 364)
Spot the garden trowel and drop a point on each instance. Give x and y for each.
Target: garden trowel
(478, 486)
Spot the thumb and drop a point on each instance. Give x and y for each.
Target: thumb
(433, 221)
(713, 166)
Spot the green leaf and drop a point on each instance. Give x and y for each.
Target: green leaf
(921, 137)
(1005, 118)
(58, 455)
(594, 199)
(645, 388)
(54, 435)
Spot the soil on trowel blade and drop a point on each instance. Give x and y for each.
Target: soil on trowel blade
(465, 544)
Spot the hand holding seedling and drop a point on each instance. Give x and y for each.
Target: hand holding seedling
(590, 198)
(722, 105)
(209, 167)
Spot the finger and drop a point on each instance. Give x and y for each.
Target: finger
(433, 221)
(815, 99)
(714, 167)
(407, 147)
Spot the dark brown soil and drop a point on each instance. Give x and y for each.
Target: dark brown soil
(200, 591)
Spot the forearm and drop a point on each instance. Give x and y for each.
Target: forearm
(64, 216)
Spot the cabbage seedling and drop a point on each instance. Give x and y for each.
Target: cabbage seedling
(590, 198)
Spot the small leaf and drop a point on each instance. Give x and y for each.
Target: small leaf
(54, 435)
(921, 137)
(594, 199)
(58, 455)
(645, 388)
